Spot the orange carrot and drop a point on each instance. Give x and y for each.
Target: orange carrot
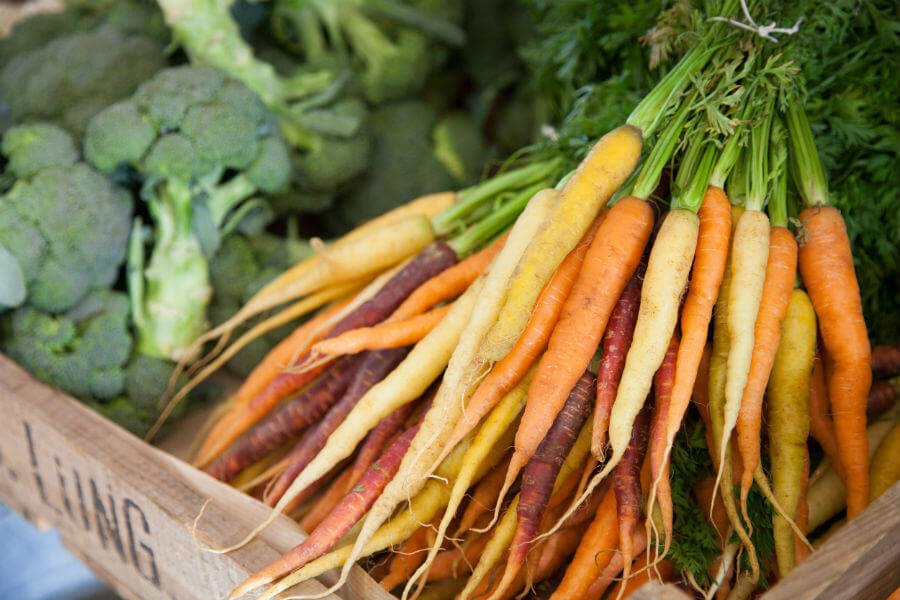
(781, 271)
(484, 497)
(826, 265)
(448, 283)
(458, 561)
(389, 334)
(663, 570)
(610, 261)
(595, 551)
(663, 381)
(821, 427)
(703, 290)
(616, 342)
(274, 363)
(507, 372)
(406, 559)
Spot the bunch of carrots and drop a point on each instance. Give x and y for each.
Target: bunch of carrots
(487, 386)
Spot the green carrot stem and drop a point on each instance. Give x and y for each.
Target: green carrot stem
(648, 177)
(778, 211)
(806, 166)
(486, 229)
(696, 166)
(758, 173)
(473, 197)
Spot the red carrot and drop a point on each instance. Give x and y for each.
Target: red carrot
(616, 342)
(435, 258)
(627, 483)
(541, 471)
(280, 426)
(340, 520)
(377, 439)
(375, 367)
(882, 397)
(663, 382)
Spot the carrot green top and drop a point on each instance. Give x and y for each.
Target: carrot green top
(778, 212)
(648, 176)
(805, 165)
(692, 178)
(758, 163)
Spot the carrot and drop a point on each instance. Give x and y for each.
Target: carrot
(393, 334)
(326, 502)
(484, 497)
(703, 290)
(801, 517)
(421, 509)
(826, 265)
(286, 422)
(627, 485)
(610, 573)
(821, 426)
(886, 360)
(616, 342)
(540, 474)
(609, 263)
(276, 360)
(462, 374)
(457, 561)
(781, 271)
(506, 527)
(594, 552)
(496, 432)
(886, 463)
(448, 283)
(827, 495)
(372, 368)
(663, 570)
(406, 558)
(788, 420)
(603, 170)
(433, 259)
(506, 373)
(339, 521)
(379, 438)
(663, 381)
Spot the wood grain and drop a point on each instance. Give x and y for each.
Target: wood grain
(126, 508)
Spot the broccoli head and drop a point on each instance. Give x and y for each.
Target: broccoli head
(71, 78)
(66, 224)
(202, 146)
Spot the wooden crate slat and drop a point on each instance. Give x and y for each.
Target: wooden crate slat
(125, 507)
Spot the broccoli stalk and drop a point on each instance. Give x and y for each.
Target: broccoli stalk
(202, 146)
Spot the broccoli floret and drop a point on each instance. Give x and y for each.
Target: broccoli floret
(203, 146)
(35, 31)
(66, 224)
(69, 79)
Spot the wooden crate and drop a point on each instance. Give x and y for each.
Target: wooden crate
(126, 509)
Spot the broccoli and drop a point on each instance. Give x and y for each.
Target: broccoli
(202, 146)
(240, 268)
(380, 50)
(415, 153)
(68, 78)
(66, 225)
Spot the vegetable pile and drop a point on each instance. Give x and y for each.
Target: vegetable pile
(635, 350)
(493, 388)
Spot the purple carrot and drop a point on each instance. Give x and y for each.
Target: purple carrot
(541, 471)
(378, 439)
(627, 484)
(616, 342)
(341, 518)
(375, 367)
(280, 426)
(436, 257)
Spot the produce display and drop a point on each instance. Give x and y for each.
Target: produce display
(655, 338)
